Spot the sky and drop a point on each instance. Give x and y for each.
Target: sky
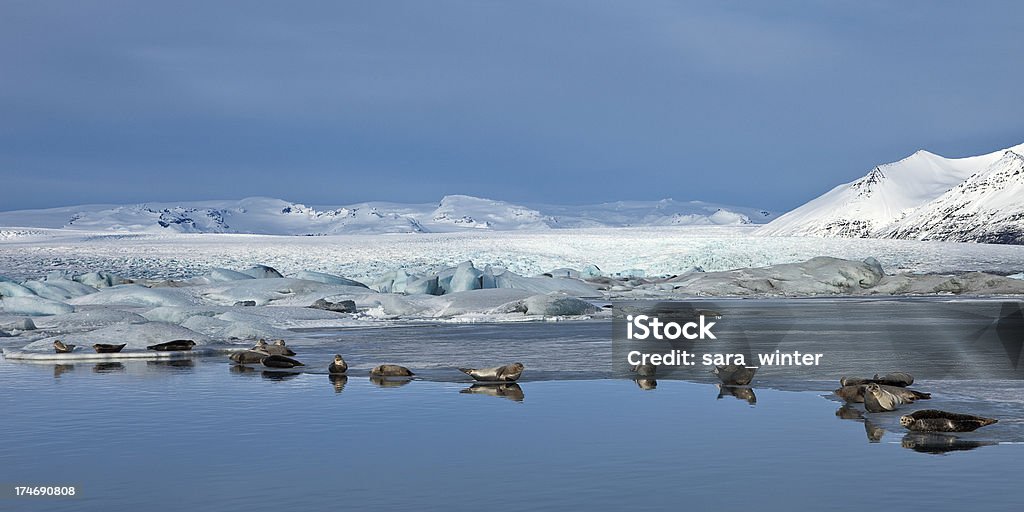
(761, 104)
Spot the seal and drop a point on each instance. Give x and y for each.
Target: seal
(931, 420)
(247, 356)
(173, 346)
(506, 373)
(61, 348)
(899, 379)
(339, 366)
(391, 370)
(280, 349)
(106, 348)
(276, 361)
(855, 394)
(734, 374)
(877, 399)
(646, 384)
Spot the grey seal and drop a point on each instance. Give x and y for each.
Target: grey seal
(62, 348)
(279, 348)
(106, 348)
(734, 374)
(276, 361)
(339, 366)
(173, 346)
(877, 399)
(248, 356)
(391, 370)
(931, 420)
(646, 384)
(855, 394)
(899, 379)
(506, 373)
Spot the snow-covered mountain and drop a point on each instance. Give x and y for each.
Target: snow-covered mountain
(987, 207)
(885, 201)
(259, 215)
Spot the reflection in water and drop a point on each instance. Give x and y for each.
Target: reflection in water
(741, 393)
(849, 412)
(185, 364)
(338, 381)
(114, 367)
(935, 443)
(61, 369)
(508, 390)
(646, 384)
(237, 368)
(389, 382)
(873, 431)
(279, 375)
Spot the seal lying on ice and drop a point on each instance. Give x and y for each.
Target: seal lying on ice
(506, 373)
(61, 348)
(173, 346)
(391, 370)
(931, 420)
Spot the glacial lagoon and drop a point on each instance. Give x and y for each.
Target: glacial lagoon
(572, 433)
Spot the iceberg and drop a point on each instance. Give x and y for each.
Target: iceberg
(34, 306)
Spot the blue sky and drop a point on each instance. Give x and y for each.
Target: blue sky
(763, 104)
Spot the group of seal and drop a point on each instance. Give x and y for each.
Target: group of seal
(277, 355)
(887, 393)
(108, 348)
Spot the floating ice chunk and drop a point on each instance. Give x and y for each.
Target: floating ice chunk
(17, 324)
(136, 295)
(225, 329)
(1017, 276)
(471, 301)
(822, 275)
(101, 279)
(178, 314)
(34, 306)
(136, 336)
(590, 271)
(262, 272)
(466, 277)
(551, 304)
(393, 282)
(321, 277)
(223, 274)
(280, 291)
(59, 288)
(423, 285)
(12, 289)
(88, 319)
(540, 285)
(570, 273)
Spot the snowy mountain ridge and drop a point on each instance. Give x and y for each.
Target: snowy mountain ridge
(893, 199)
(261, 215)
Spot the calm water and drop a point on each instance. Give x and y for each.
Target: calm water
(204, 436)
